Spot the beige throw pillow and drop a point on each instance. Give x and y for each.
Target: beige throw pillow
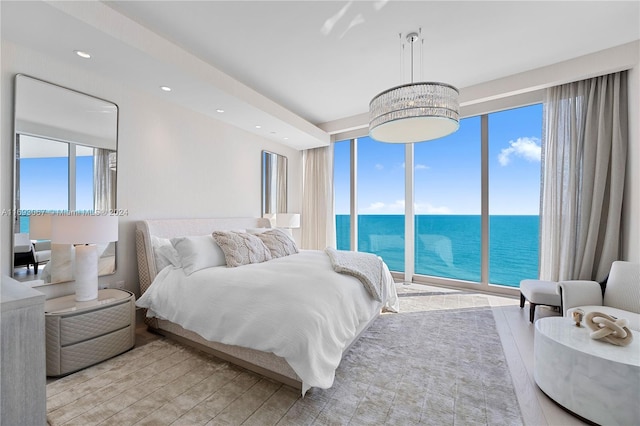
(278, 242)
(240, 248)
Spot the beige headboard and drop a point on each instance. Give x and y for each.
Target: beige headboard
(169, 228)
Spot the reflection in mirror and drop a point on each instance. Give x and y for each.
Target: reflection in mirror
(65, 160)
(274, 183)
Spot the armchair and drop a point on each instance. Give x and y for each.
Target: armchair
(27, 252)
(620, 298)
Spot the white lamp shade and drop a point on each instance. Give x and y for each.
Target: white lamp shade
(271, 217)
(414, 129)
(288, 220)
(70, 229)
(40, 227)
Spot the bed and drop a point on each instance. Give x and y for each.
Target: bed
(290, 318)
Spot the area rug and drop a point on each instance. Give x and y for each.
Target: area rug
(438, 362)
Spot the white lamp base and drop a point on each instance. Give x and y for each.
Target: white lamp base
(86, 272)
(61, 262)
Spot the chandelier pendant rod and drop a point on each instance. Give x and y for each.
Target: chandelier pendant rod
(412, 43)
(414, 112)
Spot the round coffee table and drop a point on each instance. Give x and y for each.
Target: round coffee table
(593, 379)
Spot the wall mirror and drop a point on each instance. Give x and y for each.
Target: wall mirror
(274, 183)
(65, 160)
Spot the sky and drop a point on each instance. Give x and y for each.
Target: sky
(447, 170)
(44, 183)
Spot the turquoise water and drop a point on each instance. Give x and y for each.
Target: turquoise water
(445, 245)
(24, 224)
(449, 245)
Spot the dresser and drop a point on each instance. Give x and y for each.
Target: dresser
(80, 334)
(22, 370)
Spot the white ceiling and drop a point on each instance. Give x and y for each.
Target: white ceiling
(293, 65)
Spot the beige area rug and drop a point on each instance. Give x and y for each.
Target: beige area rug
(439, 362)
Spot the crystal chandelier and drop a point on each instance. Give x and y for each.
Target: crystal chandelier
(414, 112)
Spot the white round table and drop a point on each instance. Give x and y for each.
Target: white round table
(593, 379)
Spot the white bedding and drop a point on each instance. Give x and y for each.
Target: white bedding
(295, 306)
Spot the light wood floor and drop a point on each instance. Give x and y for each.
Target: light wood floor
(516, 334)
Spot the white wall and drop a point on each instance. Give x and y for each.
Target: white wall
(172, 162)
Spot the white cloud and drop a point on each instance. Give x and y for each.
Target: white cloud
(422, 167)
(379, 207)
(427, 208)
(379, 166)
(397, 207)
(526, 148)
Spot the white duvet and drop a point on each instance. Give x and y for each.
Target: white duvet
(295, 306)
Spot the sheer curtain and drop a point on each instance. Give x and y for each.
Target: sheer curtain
(584, 156)
(318, 221)
(103, 182)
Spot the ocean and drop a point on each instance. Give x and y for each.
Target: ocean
(446, 245)
(449, 245)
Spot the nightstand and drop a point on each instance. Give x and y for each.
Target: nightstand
(80, 334)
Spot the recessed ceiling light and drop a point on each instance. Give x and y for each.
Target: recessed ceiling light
(220, 111)
(258, 127)
(286, 139)
(82, 54)
(165, 88)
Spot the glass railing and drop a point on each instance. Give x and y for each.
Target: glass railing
(448, 246)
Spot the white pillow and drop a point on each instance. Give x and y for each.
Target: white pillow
(168, 255)
(198, 252)
(256, 231)
(163, 253)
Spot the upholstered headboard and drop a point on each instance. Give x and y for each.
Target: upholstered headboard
(170, 228)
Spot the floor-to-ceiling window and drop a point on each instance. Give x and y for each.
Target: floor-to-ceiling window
(342, 193)
(449, 240)
(448, 204)
(381, 200)
(84, 178)
(514, 194)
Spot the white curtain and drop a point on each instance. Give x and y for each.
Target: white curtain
(318, 220)
(584, 156)
(103, 181)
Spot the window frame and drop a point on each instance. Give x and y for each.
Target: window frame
(483, 110)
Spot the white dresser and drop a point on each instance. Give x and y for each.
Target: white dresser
(80, 334)
(22, 372)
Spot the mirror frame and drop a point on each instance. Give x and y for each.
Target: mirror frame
(270, 180)
(16, 216)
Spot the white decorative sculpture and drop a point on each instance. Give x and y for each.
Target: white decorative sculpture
(610, 329)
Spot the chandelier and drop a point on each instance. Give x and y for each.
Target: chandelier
(414, 112)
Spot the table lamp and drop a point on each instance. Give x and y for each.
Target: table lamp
(40, 227)
(84, 232)
(271, 217)
(288, 221)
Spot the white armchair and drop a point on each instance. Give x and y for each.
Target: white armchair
(27, 252)
(621, 296)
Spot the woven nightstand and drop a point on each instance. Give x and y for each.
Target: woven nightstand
(80, 334)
